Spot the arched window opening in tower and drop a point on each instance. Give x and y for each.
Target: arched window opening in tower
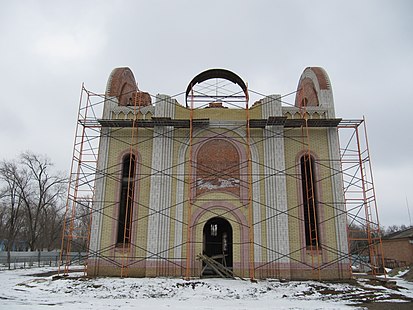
(126, 199)
(304, 102)
(310, 205)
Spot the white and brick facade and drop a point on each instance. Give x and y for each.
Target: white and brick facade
(252, 185)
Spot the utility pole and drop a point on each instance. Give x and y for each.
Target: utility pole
(408, 212)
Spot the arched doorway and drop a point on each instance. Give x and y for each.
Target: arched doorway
(218, 241)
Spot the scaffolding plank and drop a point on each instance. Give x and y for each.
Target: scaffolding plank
(150, 123)
(329, 122)
(184, 123)
(271, 121)
(292, 123)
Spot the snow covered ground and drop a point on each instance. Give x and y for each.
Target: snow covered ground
(21, 289)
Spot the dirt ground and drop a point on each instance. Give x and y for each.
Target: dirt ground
(373, 305)
(409, 275)
(388, 305)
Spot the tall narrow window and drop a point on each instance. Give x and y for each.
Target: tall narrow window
(309, 201)
(126, 198)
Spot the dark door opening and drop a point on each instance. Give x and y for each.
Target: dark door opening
(218, 241)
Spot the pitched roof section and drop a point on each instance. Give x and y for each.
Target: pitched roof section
(322, 77)
(407, 233)
(122, 84)
(314, 81)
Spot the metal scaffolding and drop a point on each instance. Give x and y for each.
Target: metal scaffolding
(360, 201)
(363, 219)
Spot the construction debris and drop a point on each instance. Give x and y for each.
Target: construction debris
(216, 266)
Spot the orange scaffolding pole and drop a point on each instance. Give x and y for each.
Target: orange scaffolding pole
(81, 157)
(190, 183)
(378, 232)
(250, 207)
(364, 237)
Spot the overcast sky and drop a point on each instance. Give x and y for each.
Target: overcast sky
(48, 48)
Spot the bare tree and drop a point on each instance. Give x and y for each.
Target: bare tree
(11, 203)
(41, 191)
(393, 228)
(81, 224)
(51, 227)
(2, 220)
(358, 239)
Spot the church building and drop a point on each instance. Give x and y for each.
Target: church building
(257, 187)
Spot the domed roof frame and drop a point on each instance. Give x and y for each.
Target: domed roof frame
(216, 73)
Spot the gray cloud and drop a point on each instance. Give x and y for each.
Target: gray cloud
(50, 47)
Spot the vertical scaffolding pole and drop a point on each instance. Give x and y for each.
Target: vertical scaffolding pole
(72, 185)
(372, 224)
(250, 207)
(81, 181)
(379, 245)
(365, 203)
(190, 183)
(364, 234)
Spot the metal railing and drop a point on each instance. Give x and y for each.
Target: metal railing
(38, 259)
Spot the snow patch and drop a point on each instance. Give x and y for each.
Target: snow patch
(20, 289)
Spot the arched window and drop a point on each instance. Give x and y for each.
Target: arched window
(126, 198)
(309, 201)
(218, 167)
